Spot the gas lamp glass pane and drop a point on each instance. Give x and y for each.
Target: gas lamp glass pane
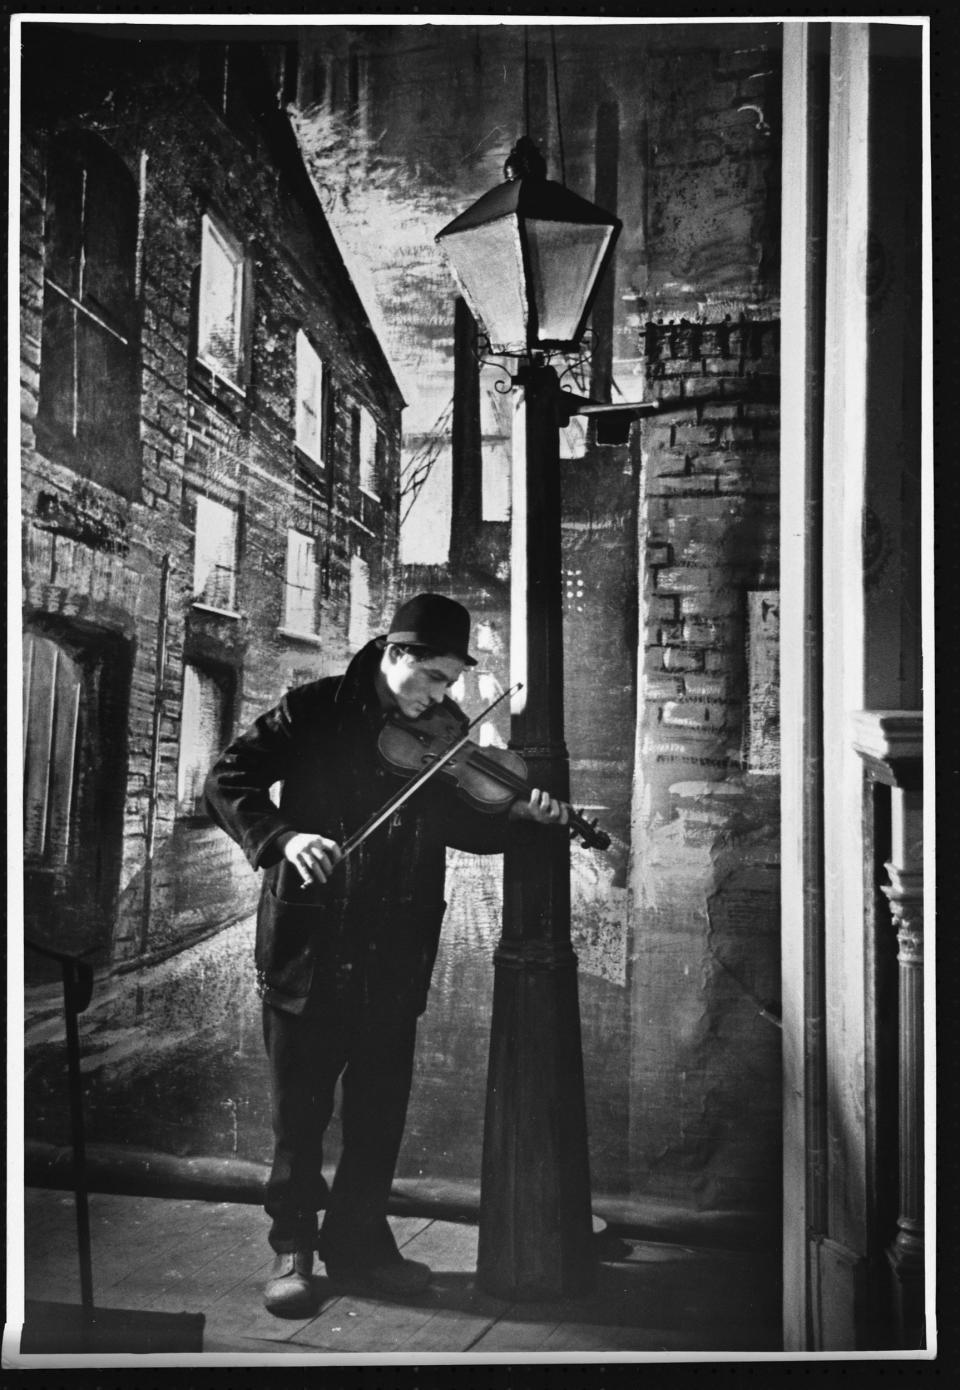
(565, 259)
(488, 263)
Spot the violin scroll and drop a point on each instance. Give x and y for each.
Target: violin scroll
(588, 831)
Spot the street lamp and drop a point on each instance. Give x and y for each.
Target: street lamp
(528, 257)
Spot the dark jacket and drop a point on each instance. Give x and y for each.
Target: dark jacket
(376, 925)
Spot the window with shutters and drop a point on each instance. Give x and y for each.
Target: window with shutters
(309, 411)
(215, 556)
(75, 697)
(204, 731)
(368, 452)
(53, 681)
(88, 412)
(301, 593)
(359, 626)
(221, 304)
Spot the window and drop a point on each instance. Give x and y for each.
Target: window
(220, 307)
(75, 704)
(52, 686)
(203, 733)
(368, 452)
(309, 413)
(300, 591)
(215, 555)
(358, 629)
(762, 732)
(89, 406)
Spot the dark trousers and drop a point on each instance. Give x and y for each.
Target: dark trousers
(307, 1054)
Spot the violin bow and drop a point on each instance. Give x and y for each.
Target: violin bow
(414, 784)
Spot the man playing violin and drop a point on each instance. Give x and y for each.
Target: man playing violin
(345, 945)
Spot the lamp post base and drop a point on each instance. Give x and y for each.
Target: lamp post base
(536, 1227)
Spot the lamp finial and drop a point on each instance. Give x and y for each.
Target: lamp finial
(524, 162)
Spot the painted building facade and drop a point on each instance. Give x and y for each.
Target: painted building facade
(210, 460)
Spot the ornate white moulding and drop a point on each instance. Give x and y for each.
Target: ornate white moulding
(890, 742)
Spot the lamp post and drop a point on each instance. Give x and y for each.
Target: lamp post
(528, 257)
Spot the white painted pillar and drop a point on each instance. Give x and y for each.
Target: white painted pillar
(838, 1267)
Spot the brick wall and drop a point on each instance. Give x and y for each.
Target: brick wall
(710, 536)
(706, 870)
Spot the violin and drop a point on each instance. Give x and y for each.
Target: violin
(488, 779)
(491, 779)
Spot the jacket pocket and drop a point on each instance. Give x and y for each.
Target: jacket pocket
(294, 939)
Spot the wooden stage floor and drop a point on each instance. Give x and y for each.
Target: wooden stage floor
(158, 1255)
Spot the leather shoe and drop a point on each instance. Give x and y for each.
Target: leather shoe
(395, 1278)
(289, 1291)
